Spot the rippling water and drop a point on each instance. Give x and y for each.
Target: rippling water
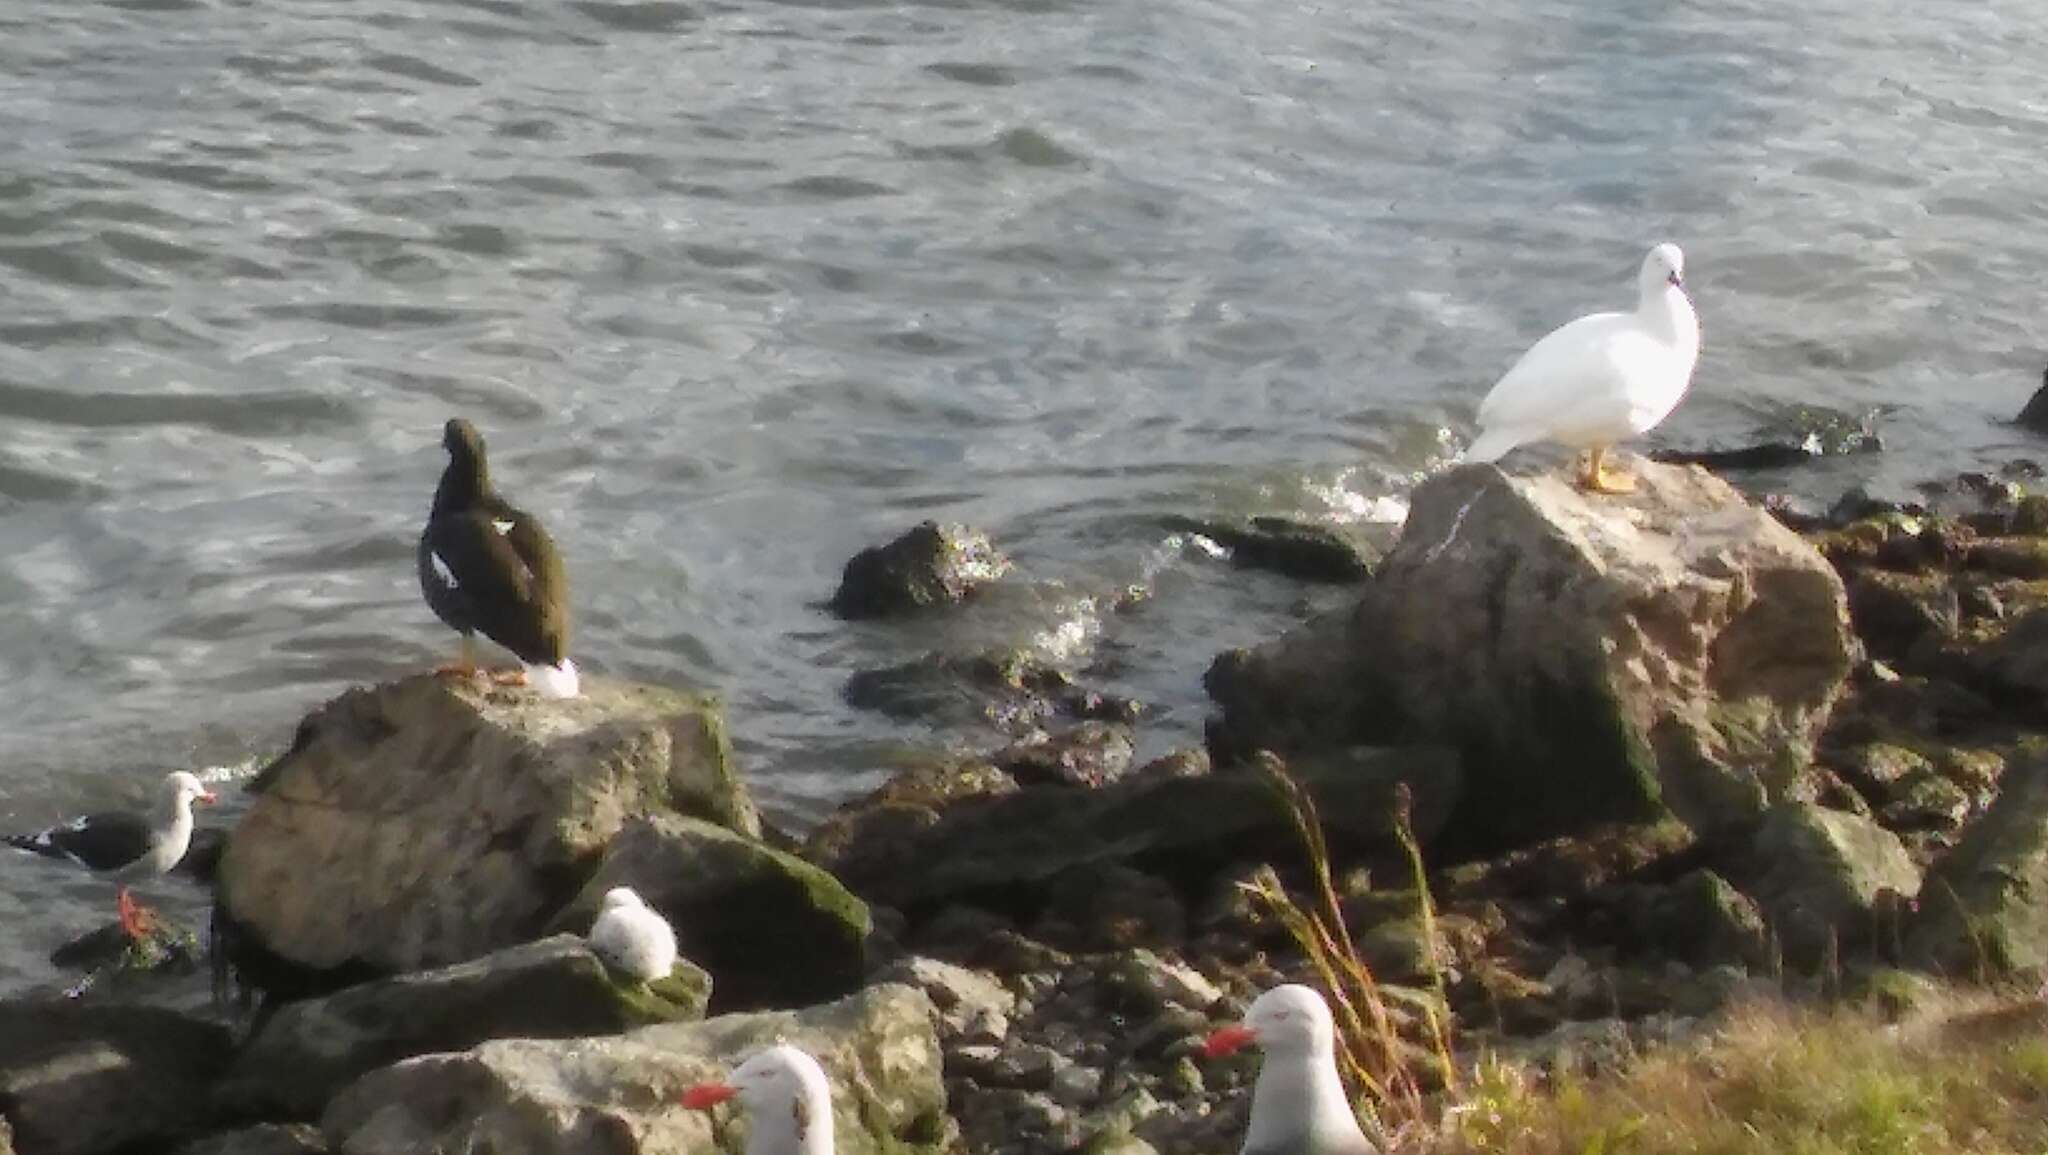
(736, 288)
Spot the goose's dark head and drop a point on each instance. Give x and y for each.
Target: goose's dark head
(467, 476)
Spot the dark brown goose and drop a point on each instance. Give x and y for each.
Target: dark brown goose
(487, 567)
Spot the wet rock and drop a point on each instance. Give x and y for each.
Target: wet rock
(618, 1095)
(2034, 415)
(999, 842)
(1595, 659)
(872, 835)
(930, 565)
(1010, 688)
(108, 950)
(1897, 614)
(1824, 878)
(772, 929)
(1305, 552)
(2023, 558)
(552, 989)
(1189, 762)
(79, 1078)
(971, 1006)
(263, 1139)
(1090, 754)
(428, 821)
(2014, 666)
(1980, 912)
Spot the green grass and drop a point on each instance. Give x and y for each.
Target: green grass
(1957, 1072)
(1968, 1075)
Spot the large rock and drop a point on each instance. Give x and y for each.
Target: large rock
(78, 1078)
(997, 841)
(1594, 658)
(930, 565)
(428, 821)
(619, 1096)
(1825, 879)
(772, 929)
(1981, 910)
(552, 989)
(263, 1139)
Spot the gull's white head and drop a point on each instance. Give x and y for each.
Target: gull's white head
(622, 898)
(781, 1082)
(181, 789)
(1664, 266)
(1288, 1020)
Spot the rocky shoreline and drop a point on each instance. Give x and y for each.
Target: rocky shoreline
(1661, 754)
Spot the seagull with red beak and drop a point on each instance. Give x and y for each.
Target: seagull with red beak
(787, 1099)
(127, 845)
(1298, 1104)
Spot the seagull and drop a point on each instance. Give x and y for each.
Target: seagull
(632, 938)
(788, 1102)
(1298, 1104)
(126, 845)
(486, 566)
(1601, 379)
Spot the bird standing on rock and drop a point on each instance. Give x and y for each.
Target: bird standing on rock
(486, 566)
(787, 1098)
(632, 938)
(1298, 1103)
(127, 845)
(1601, 379)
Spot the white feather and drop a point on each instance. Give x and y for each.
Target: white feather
(555, 681)
(442, 571)
(633, 939)
(503, 527)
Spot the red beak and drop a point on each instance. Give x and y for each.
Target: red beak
(1228, 1041)
(209, 796)
(705, 1096)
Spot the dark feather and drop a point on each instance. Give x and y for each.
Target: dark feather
(105, 841)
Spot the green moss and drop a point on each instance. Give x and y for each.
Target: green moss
(1566, 757)
(681, 997)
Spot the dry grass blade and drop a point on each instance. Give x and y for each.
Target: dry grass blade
(1371, 1053)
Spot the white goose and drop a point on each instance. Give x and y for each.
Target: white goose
(787, 1099)
(1601, 379)
(1298, 1104)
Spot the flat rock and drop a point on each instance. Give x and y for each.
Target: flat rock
(1594, 658)
(79, 1078)
(619, 1095)
(554, 988)
(1026, 837)
(772, 929)
(427, 821)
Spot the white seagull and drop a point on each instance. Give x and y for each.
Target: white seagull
(787, 1099)
(126, 845)
(632, 938)
(1601, 379)
(1298, 1104)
